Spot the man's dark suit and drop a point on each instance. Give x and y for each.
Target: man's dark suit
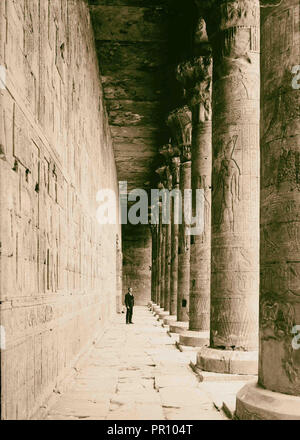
(129, 303)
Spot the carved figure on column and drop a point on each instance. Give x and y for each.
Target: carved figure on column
(180, 124)
(196, 78)
(227, 188)
(276, 396)
(233, 31)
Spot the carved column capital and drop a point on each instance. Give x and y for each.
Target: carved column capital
(196, 77)
(221, 15)
(201, 32)
(169, 151)
(180, 124)
(172, 156)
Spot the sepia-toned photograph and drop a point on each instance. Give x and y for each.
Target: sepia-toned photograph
(150, 213)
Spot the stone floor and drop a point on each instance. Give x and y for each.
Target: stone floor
(134, 372)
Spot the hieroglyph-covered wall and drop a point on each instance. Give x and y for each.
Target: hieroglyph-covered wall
(58, 265)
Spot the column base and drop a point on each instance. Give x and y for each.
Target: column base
(163, 314)
(228, 361)
(169, 319)
(152, 307)
(179, 327)
(193, 338)
(157, 310)
(256, 403)
(150, 304)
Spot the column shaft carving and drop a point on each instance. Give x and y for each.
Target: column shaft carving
(154, 229)
(175, 231)
(180, 123)
(234, 36)
(119, 271)
(279, 361)
(159, 258)
(168, 184)
(171, 154)
(162, 240)
(196, 77)
(277, 395)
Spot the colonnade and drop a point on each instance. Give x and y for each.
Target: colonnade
(233, 290)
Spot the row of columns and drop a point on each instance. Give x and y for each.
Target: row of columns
(245, 263)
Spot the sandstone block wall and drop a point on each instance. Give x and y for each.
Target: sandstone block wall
(58, 265)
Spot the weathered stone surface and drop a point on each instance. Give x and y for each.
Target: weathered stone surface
(132, 52)
(184, 252)
(129, 23)
(279, 354)
(128, 2)
(179, 326)
(119, 274)
(175, 207)
(180, 124)
(168, 268)
(196, 77)
(256, 403)
(58, 265)
(163, 230)
(154, 234)
(280, 202)
(147, 378)
(159, 258)
(234, 36)
(193, 338)
(228, 361)
(138, 42)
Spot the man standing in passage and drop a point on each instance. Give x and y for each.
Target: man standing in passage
(129, 303)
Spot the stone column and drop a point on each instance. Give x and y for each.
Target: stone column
(154, 229)
(166, 177)
(119, 272)
(233, 30)
(167, 251)
(161, 171)
(171, 154)
(159, 251)
(277, 394)
(175, 231)
(163, 268)
(158, 261)
(196, 77)
(180, 123)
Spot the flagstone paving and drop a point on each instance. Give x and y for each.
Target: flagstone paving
(134, 372)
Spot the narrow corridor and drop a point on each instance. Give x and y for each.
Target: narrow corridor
(134, 372)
